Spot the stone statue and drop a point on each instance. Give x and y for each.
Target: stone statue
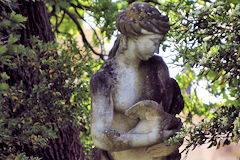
(134, 101)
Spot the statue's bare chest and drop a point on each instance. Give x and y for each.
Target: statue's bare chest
(142, 83)
(126, 91)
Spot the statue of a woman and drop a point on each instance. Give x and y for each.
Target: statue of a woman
(134, 101)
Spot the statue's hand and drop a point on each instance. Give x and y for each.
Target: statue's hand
(163, 125)
(167, 126)
(166, 129)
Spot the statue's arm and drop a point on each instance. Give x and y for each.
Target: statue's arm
(103, 135)
(177, 101)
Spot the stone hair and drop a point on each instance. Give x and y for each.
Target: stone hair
(132, 21)
(119, 45)
(141, 15)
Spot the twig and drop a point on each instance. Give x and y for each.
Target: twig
(84, 39)
(101, 45)
(58, 24)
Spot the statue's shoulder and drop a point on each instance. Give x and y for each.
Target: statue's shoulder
(157, 60)
(158, 63)
(103, 78)
(106, 71)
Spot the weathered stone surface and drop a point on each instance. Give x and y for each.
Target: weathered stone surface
(134, 101)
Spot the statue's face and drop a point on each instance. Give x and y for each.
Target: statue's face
(147, 44)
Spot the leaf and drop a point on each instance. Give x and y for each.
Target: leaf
(3, 86)
(3, 49)
(119, 5)
(217, 76)
(5, 23)
(12, 39)
(63, 4)
(17, 17)
(5, 76)
(14, 98)
(238, 54)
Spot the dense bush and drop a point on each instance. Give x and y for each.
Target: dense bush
(43, 87)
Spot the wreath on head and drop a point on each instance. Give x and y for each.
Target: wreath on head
(141, 15)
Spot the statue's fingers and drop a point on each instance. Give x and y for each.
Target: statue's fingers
(175, 122)
(132, 113)
(167, 133)
(165, 124)
(172, 123)
(180, 125)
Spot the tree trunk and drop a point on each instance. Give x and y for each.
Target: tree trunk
(38, 23)
(66, 147)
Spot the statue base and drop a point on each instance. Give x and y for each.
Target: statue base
(156, 152)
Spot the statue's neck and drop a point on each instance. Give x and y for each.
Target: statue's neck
(128, 60)
(129, 57)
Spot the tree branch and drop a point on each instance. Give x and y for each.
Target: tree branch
(58, 24)
(153, 1)
(84, 39)
(100, 42)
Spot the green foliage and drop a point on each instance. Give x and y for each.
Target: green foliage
(105, 13)
(59, 93)
(22, 156)
(220, 130)
(42, 88)
(68, 16)
(206, 35)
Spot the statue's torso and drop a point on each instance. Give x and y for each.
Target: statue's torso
(148, 81)
(133, 85)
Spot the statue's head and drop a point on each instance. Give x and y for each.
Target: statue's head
(140, 17)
